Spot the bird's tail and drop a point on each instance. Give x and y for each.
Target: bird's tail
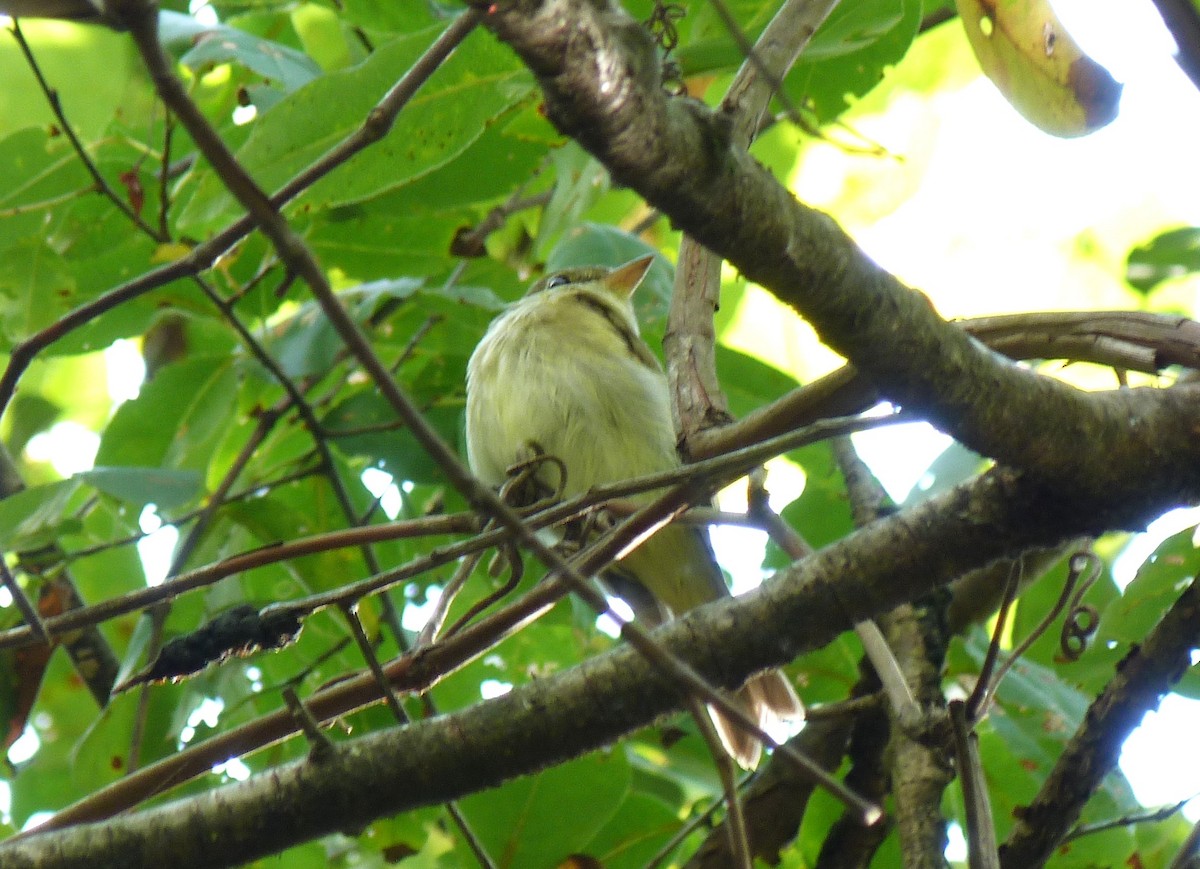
(767, 698)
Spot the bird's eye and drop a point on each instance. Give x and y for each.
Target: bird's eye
(557, 281)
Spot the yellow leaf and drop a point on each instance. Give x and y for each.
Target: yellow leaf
(169, 252)
(1025, 50)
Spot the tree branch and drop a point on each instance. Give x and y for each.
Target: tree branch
(1142, 678)
(600, 79)
(689, 342)
(553, 719)
(1134, 340)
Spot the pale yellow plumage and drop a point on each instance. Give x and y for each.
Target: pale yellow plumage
(565, 369)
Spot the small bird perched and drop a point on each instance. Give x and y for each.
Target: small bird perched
(564, 371)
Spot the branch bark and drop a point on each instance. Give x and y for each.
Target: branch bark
(1142, 678)
(1093, 462)
(689, 342)
(553, 719)
(600, 80)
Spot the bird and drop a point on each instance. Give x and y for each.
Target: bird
(564, 371)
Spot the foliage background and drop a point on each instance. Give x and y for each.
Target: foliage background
(384, 226)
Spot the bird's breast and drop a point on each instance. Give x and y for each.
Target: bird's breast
(566, 380)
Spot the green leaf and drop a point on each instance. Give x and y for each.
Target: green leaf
(145, 485)
(506, 157)
(36, 289)
(29, 414)
(113, 570)
(865, 40)
(749, 383)
(280, 65)
(478, 84)
(705, 42)
(853, 28)
(36, 517)
(306, 343)
(1042, 72)
(37, 170)
(822, 512)
(955, 465)
(1159, 582)
(1035, 715)
(86, 248)
(579, 181)
(272, 519)
(101, 755)
(322, 35)
(64, 710)
(368, 244)
(395, 449)
(96, 74)
(541, 820)
(828, 674)
(174, 419)
(634, 835)
(136, 650)
(387, 16)
(1172, 254)
(1032, 686)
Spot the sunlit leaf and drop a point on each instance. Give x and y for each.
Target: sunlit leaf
(277, 63)
(1026, 51)
(1171, 255)
(1159, 582)
(854, 56)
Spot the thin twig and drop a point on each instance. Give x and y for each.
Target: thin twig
(437, 618)
(699, 401)
(750, 52)
(1189, 851)
(379, 120)
(719, 471)
(264, 555)
(1162, 813)
(1144, 676)
(367, 650)
(978, 698)
(693, 483)
(981, 830)
(1083, 569)
(139, 17)
(869, 501)
(296, 399)
(695, 823)
(318, 743)
(102, 185)
(24, 604)
(250, 491)
(164, 176)
(469, 836)
(416, 671)
(735, 819)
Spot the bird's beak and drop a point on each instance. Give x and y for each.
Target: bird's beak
(623, 280)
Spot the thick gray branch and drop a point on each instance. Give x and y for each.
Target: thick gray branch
(553, 719)
(599, 75)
